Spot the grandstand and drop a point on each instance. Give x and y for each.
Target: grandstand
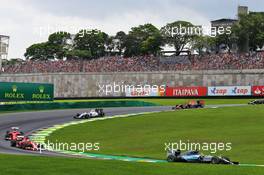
(148, 63)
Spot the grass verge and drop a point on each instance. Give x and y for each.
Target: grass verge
(32, 165)
(146, 136)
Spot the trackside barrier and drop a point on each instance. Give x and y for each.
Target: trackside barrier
(74, 105)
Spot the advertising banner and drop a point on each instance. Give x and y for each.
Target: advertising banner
(145, 92)
(258, 90)
(229, 91)
(186, 91)
(26, 91)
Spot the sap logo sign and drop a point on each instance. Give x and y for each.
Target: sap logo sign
(242, 91)
(229, 91)
(220, 91)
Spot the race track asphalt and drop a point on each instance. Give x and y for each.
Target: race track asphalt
(29, 122)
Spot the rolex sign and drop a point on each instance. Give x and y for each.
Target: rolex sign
(10, 91)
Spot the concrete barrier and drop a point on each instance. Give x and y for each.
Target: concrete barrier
(73, 85)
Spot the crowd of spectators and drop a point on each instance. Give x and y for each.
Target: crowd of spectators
(141, 64)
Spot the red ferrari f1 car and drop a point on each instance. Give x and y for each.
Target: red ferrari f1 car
(17, 139)
(13, 133)
(24, 143)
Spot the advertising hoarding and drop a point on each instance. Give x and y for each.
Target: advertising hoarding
(186, 91)
(229, 91)
(12, 91)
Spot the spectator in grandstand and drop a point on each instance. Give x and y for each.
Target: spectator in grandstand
(140, 64)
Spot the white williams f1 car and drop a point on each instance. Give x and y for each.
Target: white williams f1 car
(92, 114)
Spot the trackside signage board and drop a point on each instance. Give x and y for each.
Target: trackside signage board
(145, 92)
(229, 91)
(258, 90)
(186, 91)
(26, 91)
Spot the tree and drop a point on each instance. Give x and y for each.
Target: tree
(40, 51)
(179, 33)
(120, 39)
(152, 44)
(225, 39)
(250, 31)
(110, 44)
(58, 41)
(144, 39)
(59, 38)
(92, 41)
(54, 48)
(78, 54)
(201, 43)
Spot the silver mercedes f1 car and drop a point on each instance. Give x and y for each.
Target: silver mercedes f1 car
(196, 157)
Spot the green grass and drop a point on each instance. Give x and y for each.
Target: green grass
(32, 165)
(144, 136)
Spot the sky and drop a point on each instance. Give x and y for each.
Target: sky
(31, 21)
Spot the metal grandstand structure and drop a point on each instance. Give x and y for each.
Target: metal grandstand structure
(4, 45)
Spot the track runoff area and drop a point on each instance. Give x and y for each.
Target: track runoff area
(54, 120)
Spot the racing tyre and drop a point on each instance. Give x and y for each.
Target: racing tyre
(7, 135)
(215, 160)
(170, 158)
(13, 143)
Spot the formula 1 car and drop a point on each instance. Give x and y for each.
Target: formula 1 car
(190, 105)
(92, 114)
(256, 102)
(13, 133)
(196, 157)
(23, 142)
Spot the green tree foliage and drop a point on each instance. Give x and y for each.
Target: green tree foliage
(120, 39)
(250, 31)
(147, 39)
(40, 51)
(54, 48)
(92, 41)
(78, 54)
(175, 34)
(144, 39)
(203, 43)
(109, 44)
(226, 39)
(58, 41)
